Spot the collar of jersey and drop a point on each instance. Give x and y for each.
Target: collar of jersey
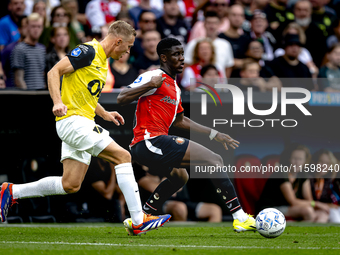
(101, 51)
(167, 73)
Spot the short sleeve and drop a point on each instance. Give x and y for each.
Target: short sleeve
(189, 51)
(229, 60)
(305, 56)
(143, 79)
(18, 57)
(4, 35)
(279, 52)
(180, 108)
(187, 75)
(81, 56)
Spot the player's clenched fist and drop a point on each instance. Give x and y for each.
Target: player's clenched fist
(59, 110)
(157, 81)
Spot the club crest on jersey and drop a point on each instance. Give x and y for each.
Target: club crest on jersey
(138, 80)
(76, 52)
(179, 140)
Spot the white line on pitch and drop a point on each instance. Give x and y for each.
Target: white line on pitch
(174, 246)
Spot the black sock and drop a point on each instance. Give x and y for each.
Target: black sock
(225, 188)
(163, 192)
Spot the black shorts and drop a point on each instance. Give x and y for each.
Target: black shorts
(163, 152)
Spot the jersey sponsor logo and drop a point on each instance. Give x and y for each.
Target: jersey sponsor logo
(179, 140)
(76, 52)
(95, 87)
(168, 100)
(138, 80)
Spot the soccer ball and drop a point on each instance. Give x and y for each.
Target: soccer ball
(270, 223)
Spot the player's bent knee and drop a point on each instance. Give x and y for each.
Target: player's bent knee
(179, 175)
(215, 160)
(71, 189)
(218, 159)
(124, 157)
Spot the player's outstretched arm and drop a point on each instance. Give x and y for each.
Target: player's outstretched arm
(53, 80)
(130, 94)
(115, 117)
(187, 124)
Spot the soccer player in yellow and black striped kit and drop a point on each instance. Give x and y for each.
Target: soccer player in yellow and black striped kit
(84, 70)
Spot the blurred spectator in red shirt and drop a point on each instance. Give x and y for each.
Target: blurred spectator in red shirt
(204, 54)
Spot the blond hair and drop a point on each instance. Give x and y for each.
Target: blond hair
(121, 28)
(301, 33)
(247, 62)
(63, 2)
(34, 17)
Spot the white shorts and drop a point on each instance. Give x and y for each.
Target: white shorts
(81, 138)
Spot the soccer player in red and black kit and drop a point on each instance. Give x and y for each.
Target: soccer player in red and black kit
(159, 106)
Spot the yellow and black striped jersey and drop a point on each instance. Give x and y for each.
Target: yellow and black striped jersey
(81, 89)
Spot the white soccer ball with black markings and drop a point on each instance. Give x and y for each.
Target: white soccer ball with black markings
(270, 223)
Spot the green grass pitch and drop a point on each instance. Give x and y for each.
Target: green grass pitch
(187, 238)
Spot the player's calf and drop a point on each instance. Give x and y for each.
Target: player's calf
(179, 177)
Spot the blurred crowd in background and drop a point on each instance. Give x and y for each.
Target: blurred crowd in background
(256, 41)
(301, 195)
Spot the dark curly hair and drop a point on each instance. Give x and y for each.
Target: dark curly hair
(166, 44)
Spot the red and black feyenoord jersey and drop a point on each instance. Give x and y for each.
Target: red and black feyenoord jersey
(156, 109)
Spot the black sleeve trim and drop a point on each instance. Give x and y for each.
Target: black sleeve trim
(81, 56)
(180, 113)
